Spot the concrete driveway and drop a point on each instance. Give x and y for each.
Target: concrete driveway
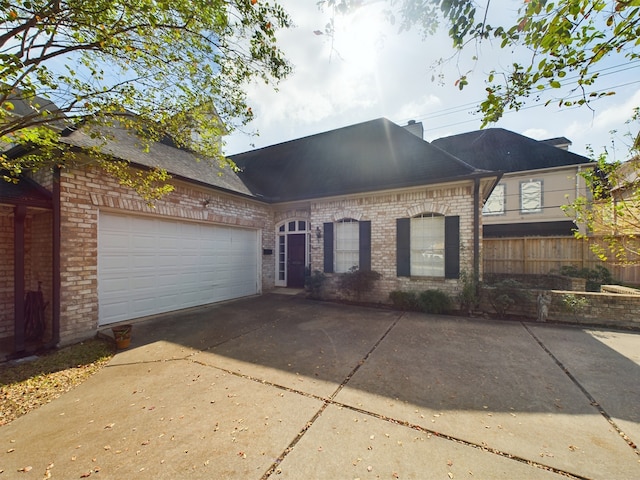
(281, 387)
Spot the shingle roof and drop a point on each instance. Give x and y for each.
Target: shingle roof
(26, 192)
(119, 143)
(501, 150)
(369, 156)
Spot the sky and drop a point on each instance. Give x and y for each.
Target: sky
(368, 70)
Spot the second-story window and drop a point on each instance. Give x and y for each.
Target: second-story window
(495, 204)
(531, 196)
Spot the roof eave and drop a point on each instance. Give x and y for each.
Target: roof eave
(476, 175)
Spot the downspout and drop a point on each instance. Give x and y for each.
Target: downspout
(20, 213)
(55, 288)
(476, 230)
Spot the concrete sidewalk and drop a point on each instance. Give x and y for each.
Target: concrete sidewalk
(282, 387)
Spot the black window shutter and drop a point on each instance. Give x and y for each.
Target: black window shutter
(365, 246)
(328, 247)
(452, 247)
(403, 249)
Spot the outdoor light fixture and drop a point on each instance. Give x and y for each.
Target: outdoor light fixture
(318, 232)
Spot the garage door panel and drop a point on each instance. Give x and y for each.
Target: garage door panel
(149, 265)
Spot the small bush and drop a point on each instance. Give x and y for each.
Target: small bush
(595, 277)
(404, 300)
(434, 301)
(506, 293)
(314, 283)
(356, 282)
(469, 297)
(574, 304)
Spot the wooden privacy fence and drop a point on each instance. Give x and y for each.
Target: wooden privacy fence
(542, 255)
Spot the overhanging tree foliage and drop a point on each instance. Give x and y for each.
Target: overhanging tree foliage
(566, 41)
(611, 215)
(178, 66)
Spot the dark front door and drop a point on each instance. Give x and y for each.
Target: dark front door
(295, 260)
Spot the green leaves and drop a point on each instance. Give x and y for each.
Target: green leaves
(157, 59)
(567, 40)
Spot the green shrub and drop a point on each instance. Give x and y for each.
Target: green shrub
(574, 304)
(404, 300)
(506, 293)
(469, 297)
(595, 277)
(314, 283)
(434, 301)
(356, 282)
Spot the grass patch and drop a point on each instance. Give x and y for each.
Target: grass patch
(26, 386)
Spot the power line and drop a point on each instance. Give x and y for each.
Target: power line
(537, 105)
(461, 108)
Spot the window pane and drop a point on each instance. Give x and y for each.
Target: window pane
(495, 203)
(302, 226)
(292, 226)
(531, 196)
(346, 245)
(427, 246)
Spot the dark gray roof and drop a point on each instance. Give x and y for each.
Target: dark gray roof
(180, 163)
(501, 150)
(25, 192)
(369, 156)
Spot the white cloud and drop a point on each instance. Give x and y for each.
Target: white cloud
(538, 133)
(610, 118)
(368, 71)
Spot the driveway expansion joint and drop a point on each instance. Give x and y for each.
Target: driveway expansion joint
(592, 401)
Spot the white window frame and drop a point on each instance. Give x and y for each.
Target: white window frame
(346, 251)
(427, 245)
(531, 196)
(496, 203)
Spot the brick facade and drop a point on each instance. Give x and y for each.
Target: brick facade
(382, 209)
(83, 193)
(86, 192)
(6, 272)
(38, 257)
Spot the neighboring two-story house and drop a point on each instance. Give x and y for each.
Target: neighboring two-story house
(538, 178)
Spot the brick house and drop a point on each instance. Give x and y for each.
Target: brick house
(371, 195)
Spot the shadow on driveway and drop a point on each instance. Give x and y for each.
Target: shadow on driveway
(283, 387)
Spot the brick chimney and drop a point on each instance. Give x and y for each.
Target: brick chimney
(416, 128)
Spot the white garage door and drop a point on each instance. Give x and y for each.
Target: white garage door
(148, 265)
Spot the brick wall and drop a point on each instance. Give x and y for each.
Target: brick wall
(84, 192)
(6, 271)
(37, 263)
(40, 269)
(592, 308)
(608, 309)
(382, 210)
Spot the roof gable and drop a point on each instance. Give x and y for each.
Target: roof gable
(369, 156)
(501, 150)
(26, 192)
(124, 145)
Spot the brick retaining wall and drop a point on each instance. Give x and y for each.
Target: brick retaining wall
(601, 309)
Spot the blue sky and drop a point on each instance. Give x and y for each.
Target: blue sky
(368, 70)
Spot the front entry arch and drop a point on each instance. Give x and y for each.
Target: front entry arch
(293, 253)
